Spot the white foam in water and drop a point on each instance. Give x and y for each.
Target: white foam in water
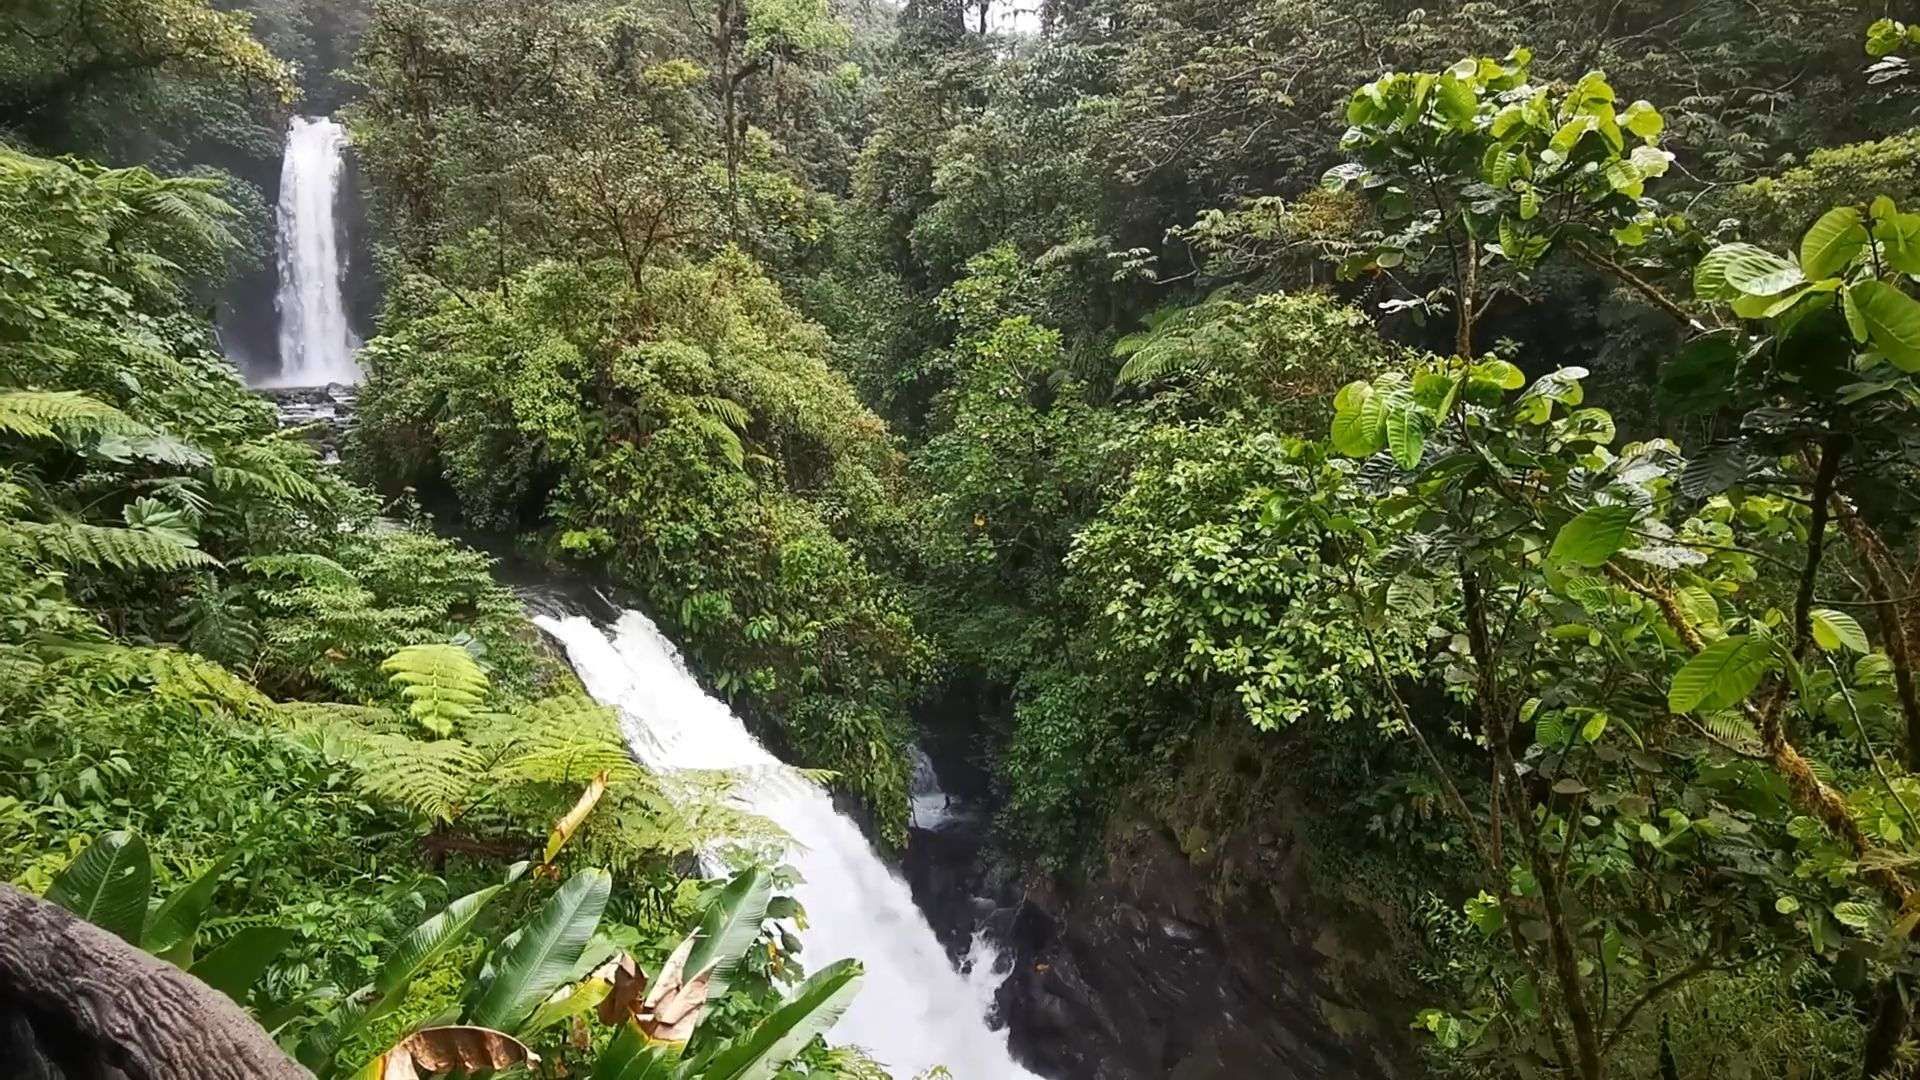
(316, 341)
(914, 1010)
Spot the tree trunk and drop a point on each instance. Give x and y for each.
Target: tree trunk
(75, 998)
(723, 42)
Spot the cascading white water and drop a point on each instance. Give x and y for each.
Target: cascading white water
(316, 341)
(914, 1011)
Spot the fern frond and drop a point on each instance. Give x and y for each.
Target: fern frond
(724, 439)
(99, 546)
(562, 740)
(1732, 728)
(53, 414)
(217, 624)
(268, 468)
(181, 674)
(325, 714)
(171, 673)
(435, 779)
(724, 409)
(443, 685)
(301, 566)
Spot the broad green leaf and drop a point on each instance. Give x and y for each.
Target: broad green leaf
(1643, 120)
(417, 951)
(108, 885)
(1406, 431)
(234, 965)
(430, 940)
(1836, 629)
(566, 1003)
(1497, 165)
(813, 1009)
(1593, 537)
(1699, 605)
(1500, 373)
(1856, 322)
(1853, 914)
(1485, 913)
(1722, 674)
(1624, 178)
(1651, 161)
(1570, 134)
(1899, 236)
(1353, 432)
(171, 930)
(1595, 727)
(1885, 37)
(529, 970)
(1338, 177)
(1758, 272)
(1832, 243)
(1786, 905)
(1767, 307)
(1456, 102)
(1891, 319)
(729, 927)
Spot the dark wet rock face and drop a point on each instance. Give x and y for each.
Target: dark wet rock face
(1208, 960)
(1142, 975)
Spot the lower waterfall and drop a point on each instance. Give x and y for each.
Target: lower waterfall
(915, 1010)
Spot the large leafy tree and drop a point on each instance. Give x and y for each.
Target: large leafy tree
(62, 57)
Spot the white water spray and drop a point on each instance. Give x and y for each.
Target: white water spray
(914, 1011)
(316, 342)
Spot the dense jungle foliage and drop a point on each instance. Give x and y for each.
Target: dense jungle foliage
(1504, 409)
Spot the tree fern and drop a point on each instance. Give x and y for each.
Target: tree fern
(724, 439)
(170, 673)
(100, 546)
(433, 778)
(63, 414)
(1181, 339)
(301, 566)
(443, 684)
(562, 739)
(268, 468)
(724, 409)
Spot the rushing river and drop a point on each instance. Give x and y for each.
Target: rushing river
(915, 1010)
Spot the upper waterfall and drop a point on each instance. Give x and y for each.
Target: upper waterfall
(915, 1011)
(316, 340)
